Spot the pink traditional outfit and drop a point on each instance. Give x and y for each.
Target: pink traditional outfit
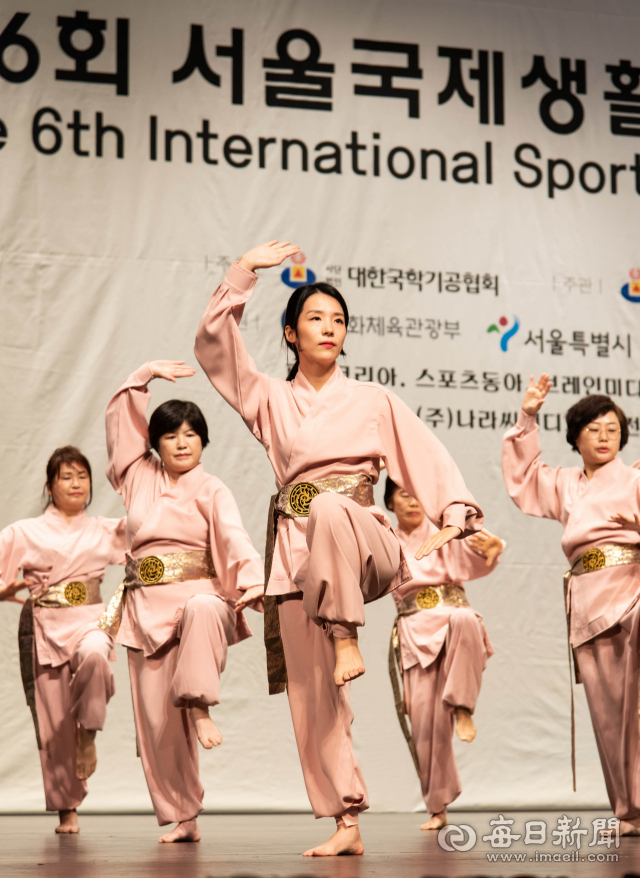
(441, 647)
(333, 549)
(64, 656)
(189, 560)
(602, 594)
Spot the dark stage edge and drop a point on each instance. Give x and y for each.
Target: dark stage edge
(270, 846)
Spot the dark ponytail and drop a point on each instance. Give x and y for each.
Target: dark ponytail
(295, 306)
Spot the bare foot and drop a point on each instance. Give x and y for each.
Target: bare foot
(207, 731)
(86, 757)
(349, 663)
(345, 841)
(465, 729)
(627, 827)
(437, 821)
(68, 823)
(186, 831)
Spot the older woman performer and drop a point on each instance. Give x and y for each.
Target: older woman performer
(191, 569)
(334, 550)
(64, 656)
(441, 646)
(598, 505)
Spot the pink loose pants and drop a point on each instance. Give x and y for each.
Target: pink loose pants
(353, 560)
(76, 692)
(431, 697)
(610, 669)
(164, 685)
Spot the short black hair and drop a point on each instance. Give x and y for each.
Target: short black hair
(171, 415)
(390, 488)
(588, 409)
(72, 456)
(295, 307)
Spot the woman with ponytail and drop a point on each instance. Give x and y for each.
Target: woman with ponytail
(333, 550)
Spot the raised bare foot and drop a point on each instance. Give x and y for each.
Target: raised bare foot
(186, 831)
(207, 731)
(68, 822)
(436, 821)
(86, 756)
(349, 663)
(465, 729)
(345, 841)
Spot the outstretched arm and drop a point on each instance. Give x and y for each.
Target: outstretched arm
(220, 348)
(127, 428)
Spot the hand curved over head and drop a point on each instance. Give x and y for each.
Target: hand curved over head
(625, 522)
(487, 544)
(437, 541)
(269, 254)
(8, 592)
(250, 598)
(535, 394)
(171, 369)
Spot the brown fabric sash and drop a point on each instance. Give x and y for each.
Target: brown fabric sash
(27, 650)
(595, 558)
(293, 501)
(155, 570)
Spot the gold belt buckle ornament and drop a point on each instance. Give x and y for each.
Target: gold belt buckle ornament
(301, 496)
(593, 559)
(151, 570)
(427, 598)
(75, 593)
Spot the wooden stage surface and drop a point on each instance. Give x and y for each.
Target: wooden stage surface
(269, 846)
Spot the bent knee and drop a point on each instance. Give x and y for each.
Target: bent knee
(326, 504)
(463, 617)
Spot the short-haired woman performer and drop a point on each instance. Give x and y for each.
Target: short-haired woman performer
(64, 656)
(191, 569)
(334, 550)
(441, 647)
(598, 505)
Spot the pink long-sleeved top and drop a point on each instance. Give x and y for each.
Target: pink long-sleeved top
(50, 550)
(198, 514)
(423, 633)
(598, 600)
(344, 429)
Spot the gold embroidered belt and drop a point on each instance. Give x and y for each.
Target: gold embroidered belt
(451, 594)
(294, 500)
(73, 593)
(155, 570)
(595, 558)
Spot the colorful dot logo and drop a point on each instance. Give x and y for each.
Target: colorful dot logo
(631, 290)
(505, 334)
(298, 274)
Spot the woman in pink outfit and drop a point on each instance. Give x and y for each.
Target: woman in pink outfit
(334, 549)
(598, 505)
(191, 569)
(441, 647)
(64, 656)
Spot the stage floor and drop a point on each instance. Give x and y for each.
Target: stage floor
(270, 846)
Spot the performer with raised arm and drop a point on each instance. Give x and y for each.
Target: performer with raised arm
(333, 550)
(598, 504)
(190, 571)
(64, 656)
(440, 646)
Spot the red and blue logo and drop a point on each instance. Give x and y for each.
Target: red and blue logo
(298, 275)
(631, 290)
(506, 334)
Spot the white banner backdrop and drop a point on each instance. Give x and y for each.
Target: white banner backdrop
(467, 173)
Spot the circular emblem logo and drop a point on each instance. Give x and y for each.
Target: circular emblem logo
(301, 496)
(75, 593)
(151, 570)
(427, 598)
(593, 559)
